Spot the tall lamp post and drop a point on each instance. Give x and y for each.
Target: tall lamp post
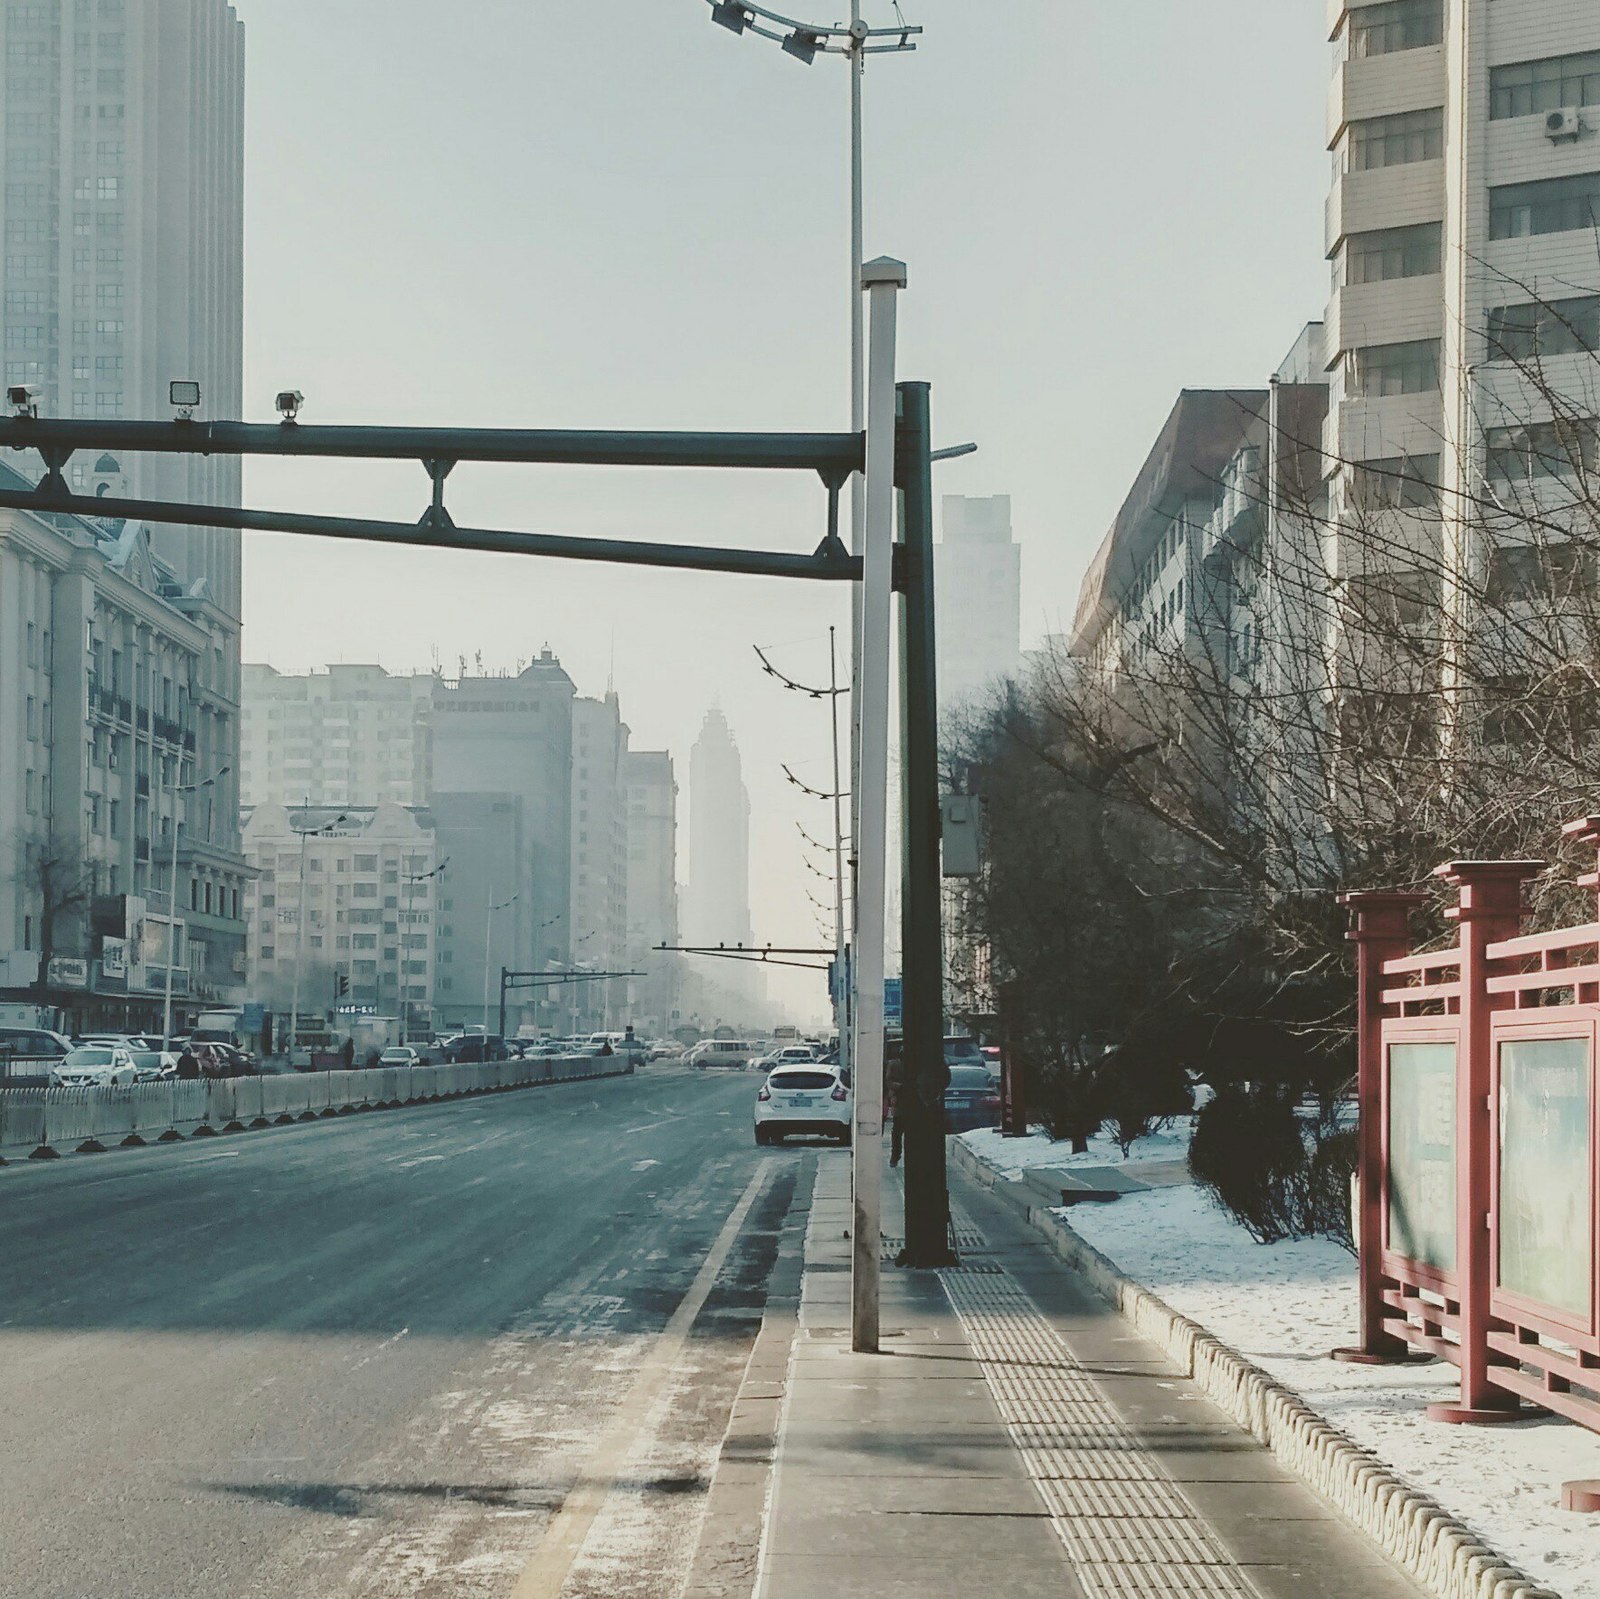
(488, 924)
(402, 987)
(300, 920)
(175, 789)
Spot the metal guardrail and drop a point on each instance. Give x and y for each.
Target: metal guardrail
(51, 1121)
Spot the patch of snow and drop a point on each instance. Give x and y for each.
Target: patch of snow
(1284, 1306)
(1014, 1156)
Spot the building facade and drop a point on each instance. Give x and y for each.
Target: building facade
(121, 223)
(978, 573)
(716, 907)
(109, 672)
(347, 735)
(345, 893)
(1466, 304)
(652, 788)
(599, 867)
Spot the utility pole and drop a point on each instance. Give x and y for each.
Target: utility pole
(925, 1074)
(883, 279)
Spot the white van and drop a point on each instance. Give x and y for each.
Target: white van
(734, 1054)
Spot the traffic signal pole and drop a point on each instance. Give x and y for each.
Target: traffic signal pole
(924, 1074)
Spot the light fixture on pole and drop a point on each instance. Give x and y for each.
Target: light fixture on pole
(175, 789)
(488, 924)
(402, 987)
(300, 920)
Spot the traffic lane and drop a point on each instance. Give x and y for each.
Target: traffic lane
(263, 1328)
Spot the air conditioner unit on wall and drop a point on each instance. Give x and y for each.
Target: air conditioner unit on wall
(1563, 123)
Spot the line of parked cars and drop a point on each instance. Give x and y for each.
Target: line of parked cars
(110, 1060)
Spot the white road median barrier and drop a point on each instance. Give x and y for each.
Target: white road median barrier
(45, 1122)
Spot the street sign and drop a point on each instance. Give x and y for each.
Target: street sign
(893, 1001)
(66, 972)
(252, 1016)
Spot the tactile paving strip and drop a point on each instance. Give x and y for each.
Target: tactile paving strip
(1127, 1527)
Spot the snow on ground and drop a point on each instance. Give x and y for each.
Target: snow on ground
(1284, 1306)
(1015, 1155)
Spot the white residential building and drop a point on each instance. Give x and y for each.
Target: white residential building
(347, 735)
(343, 892)
(1466, 144)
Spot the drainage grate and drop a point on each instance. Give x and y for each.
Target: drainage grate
(1127, 1527)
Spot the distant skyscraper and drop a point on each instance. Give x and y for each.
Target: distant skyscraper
(717, 908)
(978, 567)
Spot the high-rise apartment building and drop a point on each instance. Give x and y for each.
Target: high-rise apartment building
(1461, 227)
(348, 735)
(652, 888)
(978, 572)
(121, 268)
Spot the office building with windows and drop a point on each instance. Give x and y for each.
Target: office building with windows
(109, 670)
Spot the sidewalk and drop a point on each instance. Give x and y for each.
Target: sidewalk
(1015, 1437)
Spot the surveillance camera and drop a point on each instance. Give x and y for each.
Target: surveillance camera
(184, 394)
(289, 403)
(23, 398)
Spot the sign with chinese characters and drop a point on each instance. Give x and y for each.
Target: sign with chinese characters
(114, 959)
(1422, 1153)
(66, 972)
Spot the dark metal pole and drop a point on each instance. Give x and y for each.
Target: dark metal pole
(924, 1075)
(502, 1032)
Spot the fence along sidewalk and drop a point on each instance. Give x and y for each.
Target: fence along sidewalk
(1479, 1148)
(44, 1122)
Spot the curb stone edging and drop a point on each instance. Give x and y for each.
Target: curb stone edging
(1414, 1531)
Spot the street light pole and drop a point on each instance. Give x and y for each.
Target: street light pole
(175, 789)
(300, 922)
(488, 923)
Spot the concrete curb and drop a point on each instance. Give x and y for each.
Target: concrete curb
(1422, 1538)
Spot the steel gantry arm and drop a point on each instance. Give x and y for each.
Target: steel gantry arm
(833, 456)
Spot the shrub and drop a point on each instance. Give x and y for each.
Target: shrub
(1281, 1174)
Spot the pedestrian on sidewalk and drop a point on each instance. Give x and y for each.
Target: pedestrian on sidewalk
(188, 1066)
(893, 1083)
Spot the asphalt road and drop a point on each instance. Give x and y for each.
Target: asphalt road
(372, 1357)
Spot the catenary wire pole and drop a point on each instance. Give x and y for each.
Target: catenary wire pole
(882, 280)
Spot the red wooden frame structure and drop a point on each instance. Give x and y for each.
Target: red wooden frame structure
(1456, 1219)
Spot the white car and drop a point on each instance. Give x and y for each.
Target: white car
(95, 1066)
(399, 1055)
(803, 1099)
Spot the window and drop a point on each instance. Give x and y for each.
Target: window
(1561, 327)
(1396, 482)
(25, 302)
(1528, 87)
(366, 863)
(1397, 140)
(1541, 451)
(1393, 253)
(1555, 205)
(108, 296)
(1410, 368)
(1535, 572)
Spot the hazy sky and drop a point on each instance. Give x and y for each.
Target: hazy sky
(611, 213)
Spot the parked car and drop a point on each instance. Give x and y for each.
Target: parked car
(155, 1065)
(802, 1099)
(399, 1055)
(30, 1051)
(665, 1049)
(95, 1066)
(972, 1099)
(468, 1049)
